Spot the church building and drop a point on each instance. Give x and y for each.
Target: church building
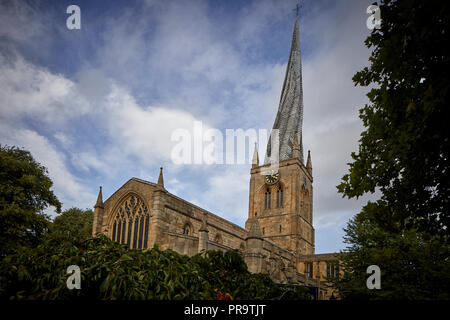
(278, 238)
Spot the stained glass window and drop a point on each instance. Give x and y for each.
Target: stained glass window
(146, 231)
(130, 225)
(119, 230)
(141, 230)
(124, 227)
(114, 231)
(134, 214)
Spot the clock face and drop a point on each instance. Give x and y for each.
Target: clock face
(272, 177)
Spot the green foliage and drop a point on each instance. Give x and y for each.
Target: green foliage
(24, 194)
(404, 153)
(412, 266)
(74, 223)
(112, 271)
(405, 150)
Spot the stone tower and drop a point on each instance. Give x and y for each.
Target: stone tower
(281, 193)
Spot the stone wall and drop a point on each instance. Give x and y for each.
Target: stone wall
(287, 223)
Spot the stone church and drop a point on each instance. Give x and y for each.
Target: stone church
(278, 238)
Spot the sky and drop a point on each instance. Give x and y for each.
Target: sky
(98, 105)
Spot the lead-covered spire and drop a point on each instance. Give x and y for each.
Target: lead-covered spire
(289, 118)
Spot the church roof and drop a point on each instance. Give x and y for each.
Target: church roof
(289, 117)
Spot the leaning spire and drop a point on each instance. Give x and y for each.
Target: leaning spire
(289, 117)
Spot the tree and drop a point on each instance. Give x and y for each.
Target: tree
(404, 153)
(412, 266)
(24, 195)
(74, 223)
(405, 150)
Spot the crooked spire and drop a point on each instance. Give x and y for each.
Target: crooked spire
(289, 117)
(296, 147)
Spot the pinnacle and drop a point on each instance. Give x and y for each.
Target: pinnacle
(160, 178)
(255, 160)
(99, 203)
(255, 231)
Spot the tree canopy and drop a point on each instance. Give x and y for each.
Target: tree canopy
(25, 192)
(404, 154)
(404, 151)
(412, 266)
(74, 223)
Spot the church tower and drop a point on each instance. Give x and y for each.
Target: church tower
(281, 193)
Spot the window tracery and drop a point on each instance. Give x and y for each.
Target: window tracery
(131, 223)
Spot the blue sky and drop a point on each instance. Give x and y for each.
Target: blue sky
(97, 106)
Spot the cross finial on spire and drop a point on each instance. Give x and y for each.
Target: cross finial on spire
(297, 8)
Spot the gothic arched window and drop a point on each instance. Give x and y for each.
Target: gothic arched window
(114, 231)
(131, 223)
(119, 229)
(280, 197)
(267, 199)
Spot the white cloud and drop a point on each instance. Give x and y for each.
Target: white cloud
(18, 21)
(227, 193)
(28, 90)
(144, 133)
(65, 141)
(88, 160)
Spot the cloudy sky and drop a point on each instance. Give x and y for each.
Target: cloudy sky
(98, 105)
